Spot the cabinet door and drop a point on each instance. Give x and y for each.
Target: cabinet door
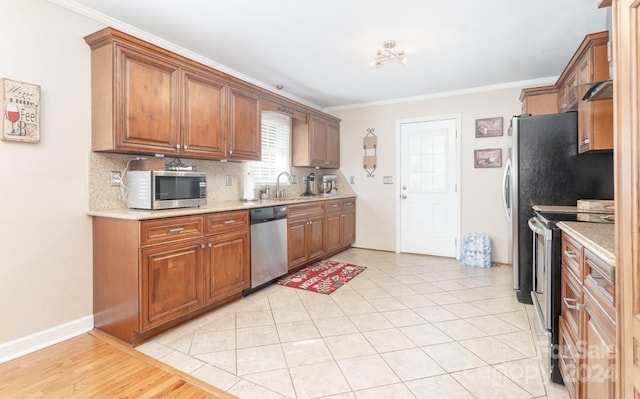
(227, 270)
(245, 136)
(568, 361)
(318, 140)
(147, 113)
(348, 228)
(315, 239)
(599, 360)
(296, 242)
(333, 239)
(332, 155)
(171, 282)
(584, 114)
(203, 116)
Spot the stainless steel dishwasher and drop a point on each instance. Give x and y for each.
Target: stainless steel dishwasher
(268, 245)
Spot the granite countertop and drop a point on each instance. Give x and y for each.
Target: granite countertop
(555, 208)
(600, 238)
(218, 206)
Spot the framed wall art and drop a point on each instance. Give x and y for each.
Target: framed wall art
(21, 111)
(487, 158)
(489, 127)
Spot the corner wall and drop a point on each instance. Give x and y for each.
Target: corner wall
(480, 189)
(45, 235)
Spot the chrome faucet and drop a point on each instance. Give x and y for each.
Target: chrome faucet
(280, 195)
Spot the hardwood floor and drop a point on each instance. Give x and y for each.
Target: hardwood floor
(93, 365)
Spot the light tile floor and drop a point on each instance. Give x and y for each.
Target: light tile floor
(409, 326)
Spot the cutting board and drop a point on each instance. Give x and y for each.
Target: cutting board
(592, 205)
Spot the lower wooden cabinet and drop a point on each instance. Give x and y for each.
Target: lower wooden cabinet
(151, 275)
(305, 233)
(340, 224)
(587, 324)
(170, 282)
(228, 267)
(319, 229)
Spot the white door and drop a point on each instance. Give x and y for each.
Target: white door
(428, 192)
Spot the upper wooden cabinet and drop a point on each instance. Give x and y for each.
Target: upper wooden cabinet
(316, 143)
(245, 133)
(146, 99)
(589, 64)
(540, 100)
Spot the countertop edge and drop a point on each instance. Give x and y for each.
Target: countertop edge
(584, 233)
(222, 206)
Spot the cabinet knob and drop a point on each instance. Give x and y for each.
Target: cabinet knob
(230, 152)
(202, 246)
(177, 230)
(571, 255)
(177, 146)
(186, 146)
(574, 304)
(231, 221)
(210, 245)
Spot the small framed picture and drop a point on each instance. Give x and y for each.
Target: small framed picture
(487, 158)
(21, 111)
(489, 127)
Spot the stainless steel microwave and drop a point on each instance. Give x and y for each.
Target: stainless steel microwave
(160, 189)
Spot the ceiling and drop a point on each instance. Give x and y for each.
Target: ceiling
(320, 50)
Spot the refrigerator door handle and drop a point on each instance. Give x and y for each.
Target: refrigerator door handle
(506, 190)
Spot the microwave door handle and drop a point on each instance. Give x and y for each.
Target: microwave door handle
(506, 189)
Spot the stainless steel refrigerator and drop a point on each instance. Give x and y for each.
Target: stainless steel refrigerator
(544, 168)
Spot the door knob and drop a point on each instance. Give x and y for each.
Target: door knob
(403, 196)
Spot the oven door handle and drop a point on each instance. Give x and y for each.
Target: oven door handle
(538, 228)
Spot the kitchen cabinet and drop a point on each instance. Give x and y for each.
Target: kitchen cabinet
(587, 322)
(316, 143)
(305, 233)
(539, 100)
(171, 282)
(228, 268)
(150, 275)
(245, 138)
(589, 64)
(147, 100)
(340, 224)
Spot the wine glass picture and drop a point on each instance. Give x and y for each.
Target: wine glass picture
(20, 102)
(12, 113)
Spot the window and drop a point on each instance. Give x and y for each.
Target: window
(275, 149)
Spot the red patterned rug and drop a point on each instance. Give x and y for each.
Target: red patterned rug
(322, 277)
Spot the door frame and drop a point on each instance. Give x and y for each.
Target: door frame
(398, 191)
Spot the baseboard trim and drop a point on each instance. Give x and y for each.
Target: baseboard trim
(31, 343)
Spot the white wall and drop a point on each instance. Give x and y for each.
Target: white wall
(481, 195)
(45, 236)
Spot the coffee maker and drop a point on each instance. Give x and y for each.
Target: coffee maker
(328, 186)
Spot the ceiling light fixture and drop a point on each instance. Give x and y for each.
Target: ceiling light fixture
(388, 54)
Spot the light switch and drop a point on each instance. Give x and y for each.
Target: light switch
(387, 179)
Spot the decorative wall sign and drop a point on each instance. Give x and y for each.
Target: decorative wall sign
(489, 127)
(370, 142)
(487, 158)
(21, 111)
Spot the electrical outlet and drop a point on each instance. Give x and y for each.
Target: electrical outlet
(294, 179)
(116, 178)
(352, 180)
(228, 180)
(387, 179)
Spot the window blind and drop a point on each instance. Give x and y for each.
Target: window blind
(275, 149)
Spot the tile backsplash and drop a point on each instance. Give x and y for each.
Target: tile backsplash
(103, 196)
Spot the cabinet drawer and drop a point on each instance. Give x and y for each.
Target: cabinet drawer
(572, 256)
(170, 229)
(226, 221)
(303, 210)
(349, 204)
(572, 303)
(333, 206)
(568, 361)
(602, 275)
